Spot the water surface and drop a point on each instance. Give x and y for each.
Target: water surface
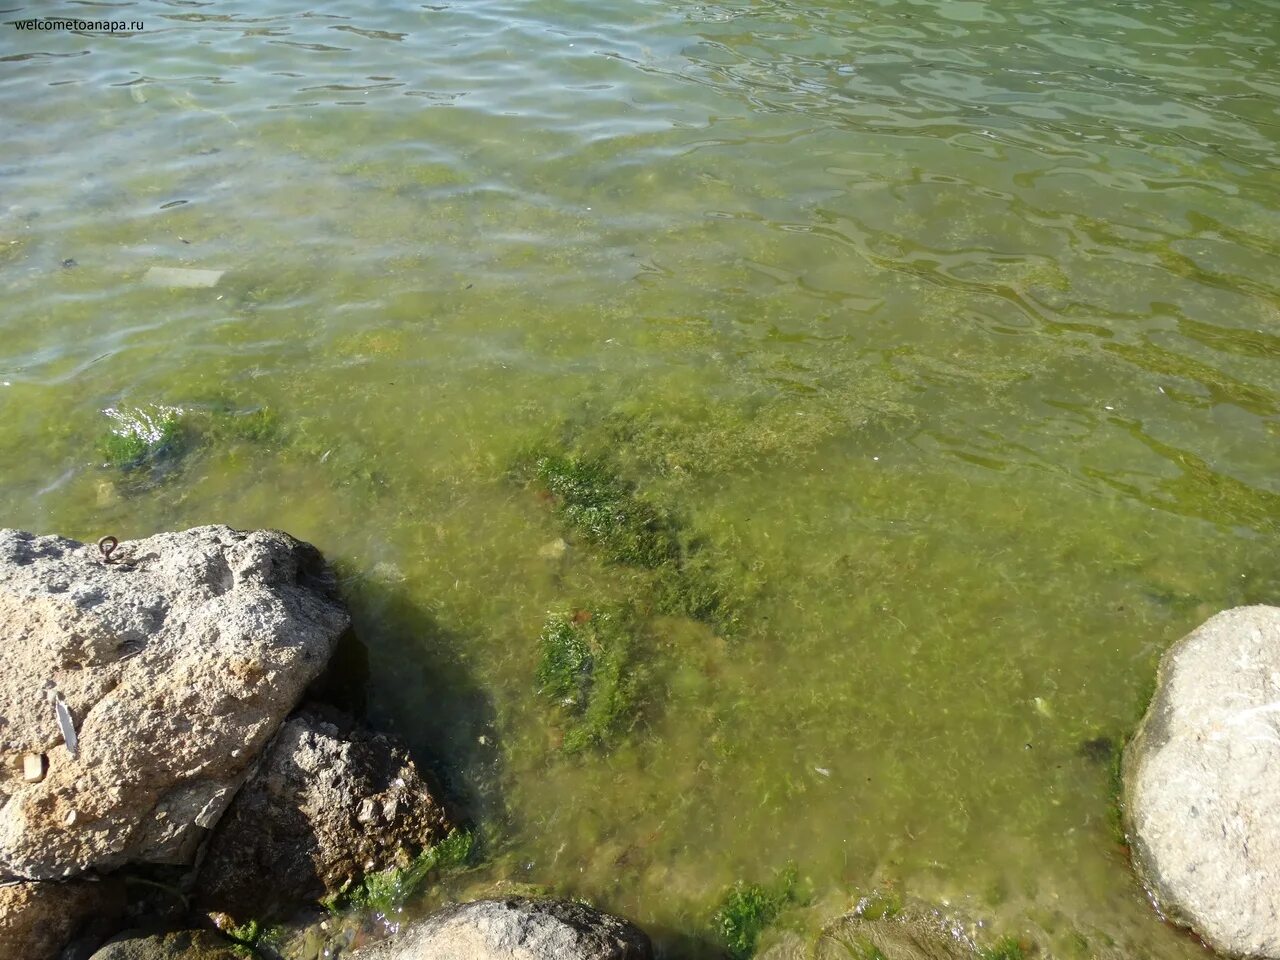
(951, 326)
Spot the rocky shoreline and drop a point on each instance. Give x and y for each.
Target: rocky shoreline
(164, 763)
(168, 774)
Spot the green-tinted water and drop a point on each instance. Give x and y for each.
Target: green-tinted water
(950, 327)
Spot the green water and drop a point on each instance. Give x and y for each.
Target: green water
(950, 328)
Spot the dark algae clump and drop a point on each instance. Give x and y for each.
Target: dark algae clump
(589, 671)
(590, 666)
(567, 662)
(594, 502)
(747, 909)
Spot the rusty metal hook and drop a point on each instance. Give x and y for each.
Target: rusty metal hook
(106, 545)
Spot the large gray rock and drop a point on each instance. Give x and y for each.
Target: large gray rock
(328, 804)
(515, 928)
(1202, 783)
(38, 920)
(176, 661)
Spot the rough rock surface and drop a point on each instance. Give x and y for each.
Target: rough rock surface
(176, 661)
(916, 935)
(37, 920)
(515, 928)
(179, 945)
(328, 804)
(1202, 778)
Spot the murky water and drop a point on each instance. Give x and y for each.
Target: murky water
(951, 327)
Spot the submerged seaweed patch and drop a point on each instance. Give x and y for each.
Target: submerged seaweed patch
(257, 425)
(143, 436)
(597, 504)
(1115, 797)
(390, 889)
(594, 502)
(148, 442)
(747, 909)
(588, 669)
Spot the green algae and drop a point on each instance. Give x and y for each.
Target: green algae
(152, 443)
(748, 909)
(246, 934)
(259, 425)
(388, 890)
(144, 437)
(565, 669)
(879, 905)
(590, 671)
(772, 408)
(860, 949)
(593, 502)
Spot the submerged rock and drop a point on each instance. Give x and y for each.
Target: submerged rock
(787, 945)
(884, 927)
(148, 684)
(178, 945)
(892, 938)
(515, 928)
(181, 277)
(1201, 781)
(38, 920)
(328, 804)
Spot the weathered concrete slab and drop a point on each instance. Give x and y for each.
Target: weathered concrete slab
(182, 277)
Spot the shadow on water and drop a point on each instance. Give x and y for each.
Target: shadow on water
(671, 944)
(345, 681)
(403, 671)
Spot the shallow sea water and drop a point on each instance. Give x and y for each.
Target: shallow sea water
(952, 326)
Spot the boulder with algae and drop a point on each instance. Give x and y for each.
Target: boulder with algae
(328, 804)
